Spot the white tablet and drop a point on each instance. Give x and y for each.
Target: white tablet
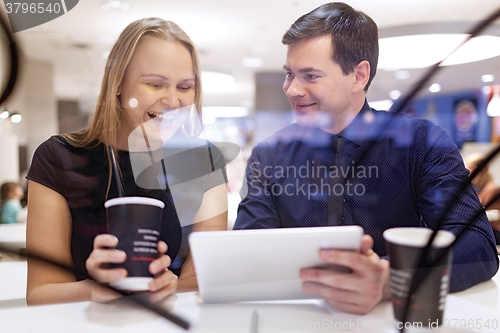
(263, 264)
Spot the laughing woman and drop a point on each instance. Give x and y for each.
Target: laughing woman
(152, 72)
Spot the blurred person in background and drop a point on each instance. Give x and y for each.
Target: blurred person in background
(486, 189)
(11, 208)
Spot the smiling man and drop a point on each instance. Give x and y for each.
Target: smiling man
(344, 163)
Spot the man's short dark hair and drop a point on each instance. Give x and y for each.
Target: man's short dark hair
(354, 35)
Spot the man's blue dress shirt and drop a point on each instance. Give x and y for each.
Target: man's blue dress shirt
(401, 172)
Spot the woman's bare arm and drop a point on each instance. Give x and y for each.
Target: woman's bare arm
(48, 234)
(212, 215)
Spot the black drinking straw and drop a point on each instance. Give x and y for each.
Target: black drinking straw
(115, 171)
(173, 318)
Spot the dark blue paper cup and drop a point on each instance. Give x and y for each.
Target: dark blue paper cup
(404, 247)
(136, 222)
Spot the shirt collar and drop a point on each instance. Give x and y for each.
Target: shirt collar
(359, 128)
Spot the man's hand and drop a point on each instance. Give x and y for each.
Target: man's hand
(355, 292)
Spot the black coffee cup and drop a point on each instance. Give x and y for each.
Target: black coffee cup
(404, 247)
(136, 222)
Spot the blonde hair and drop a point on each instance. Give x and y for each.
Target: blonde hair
(105, 124)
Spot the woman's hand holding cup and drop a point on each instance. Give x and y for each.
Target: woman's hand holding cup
(163, 284)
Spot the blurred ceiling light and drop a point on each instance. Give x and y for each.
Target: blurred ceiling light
(231, 131)
(213, 82)
(16, 118)
(252, 62)
(385, 104)
(115, 5)
(394, 94)
(205, 30)
(4, 115)
(493, 108)
(488, 78)
(208, 118)
(419, 51)
(402, 75)
(226, 111)
(435, 87)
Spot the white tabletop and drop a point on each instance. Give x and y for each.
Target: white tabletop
(12, 280)
(13, 235)
(471, 309)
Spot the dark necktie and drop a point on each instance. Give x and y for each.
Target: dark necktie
(336, 196)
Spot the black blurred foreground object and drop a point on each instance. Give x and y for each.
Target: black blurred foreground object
(13, 61)
(130, 297)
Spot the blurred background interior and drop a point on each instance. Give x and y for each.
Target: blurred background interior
(239, 42)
